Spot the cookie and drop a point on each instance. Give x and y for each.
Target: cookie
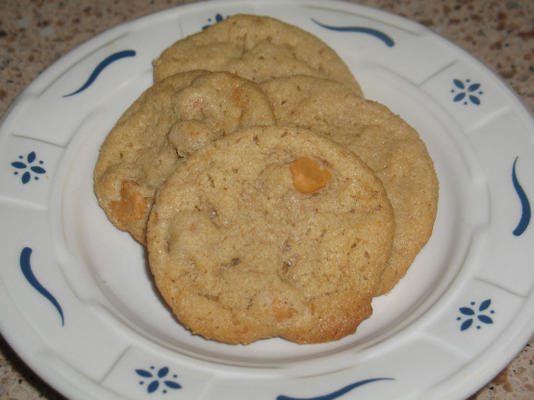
(257, 48)
(164, 126)
(270, 232)
(390, 146)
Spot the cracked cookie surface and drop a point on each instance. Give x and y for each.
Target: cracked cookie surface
(257, 48)
(270, 232)
(385, 142)
(170, 121)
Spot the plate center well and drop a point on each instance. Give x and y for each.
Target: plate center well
(108, 268)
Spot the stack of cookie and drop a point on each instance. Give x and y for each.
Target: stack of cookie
(273, 198)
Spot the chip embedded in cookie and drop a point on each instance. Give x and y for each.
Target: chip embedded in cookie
(165, 125)
(270, 232)
(381, 139)
(257, 48)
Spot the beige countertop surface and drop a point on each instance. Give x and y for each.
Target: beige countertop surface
(35, 33)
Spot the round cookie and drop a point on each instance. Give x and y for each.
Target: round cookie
(383, 141)
(270, 232)
(164, 126)
(257, 48)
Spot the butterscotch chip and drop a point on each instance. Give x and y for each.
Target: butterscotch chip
(164, 126)
(240, 254)
(131, 206)
(385, 142)
(257, 48)
(309, 175)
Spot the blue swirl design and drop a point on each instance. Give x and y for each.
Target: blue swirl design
(337, 393)
(100, 67)
(525, 205)
(360, 29)
(26, 269)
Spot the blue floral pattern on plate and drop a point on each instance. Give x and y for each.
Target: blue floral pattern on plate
(466, 92)
(478, 314)
(159, 379)
(27, 167)
(211, 21)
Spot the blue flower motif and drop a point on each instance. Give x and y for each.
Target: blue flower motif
(28, 168)
(158, 379)
(466, 92)
(473, 314)
(211, 21)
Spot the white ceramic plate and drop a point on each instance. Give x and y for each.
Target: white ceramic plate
(77, 302)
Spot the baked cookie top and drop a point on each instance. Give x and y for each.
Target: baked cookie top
(270, 232)
(164, 126)
(257, 48)
(384, 141)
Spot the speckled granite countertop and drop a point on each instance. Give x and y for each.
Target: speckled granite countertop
(34, 34)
